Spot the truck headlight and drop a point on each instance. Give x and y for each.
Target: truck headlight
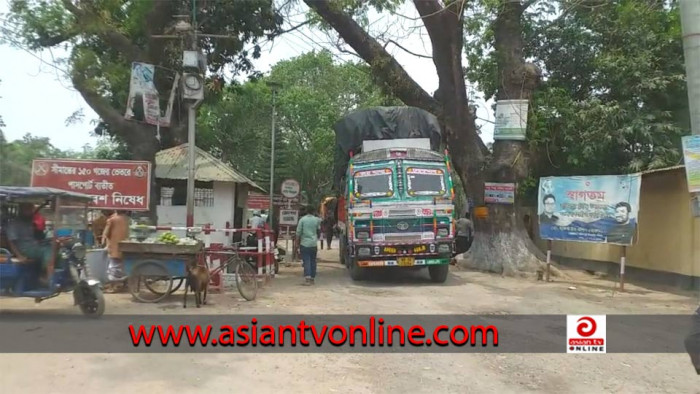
(362, 235)
(443, 232)
(444, 248)
(363, 251)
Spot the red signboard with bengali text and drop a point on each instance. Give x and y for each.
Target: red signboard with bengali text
(113, 184)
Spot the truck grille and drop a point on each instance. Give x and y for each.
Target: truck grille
(402, 237)
(402, 212)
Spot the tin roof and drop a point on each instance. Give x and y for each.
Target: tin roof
(20, 193)
(172, 164)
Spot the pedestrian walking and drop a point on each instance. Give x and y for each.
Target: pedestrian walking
(116, 230)
(307, 238)
(327, 232)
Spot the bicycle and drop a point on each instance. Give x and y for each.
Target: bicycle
(245, 273)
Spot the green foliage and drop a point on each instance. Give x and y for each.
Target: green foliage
(613, 99)
(16, 158)
(315, 92)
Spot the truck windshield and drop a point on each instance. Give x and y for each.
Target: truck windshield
(374, 183)
(425, 182)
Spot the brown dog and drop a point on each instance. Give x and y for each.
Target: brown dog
(198, 281)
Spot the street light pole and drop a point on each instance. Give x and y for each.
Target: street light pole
(271, 212)
(191, 150)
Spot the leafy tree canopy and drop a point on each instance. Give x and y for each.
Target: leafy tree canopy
(613, 99)
(315, 92)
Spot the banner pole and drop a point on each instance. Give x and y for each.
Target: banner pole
(623, 258)
(549, 257)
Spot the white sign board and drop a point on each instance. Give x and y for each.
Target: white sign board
(290, 188)
(499, 193)
(511, 120)
(289, 217)
(417, 143)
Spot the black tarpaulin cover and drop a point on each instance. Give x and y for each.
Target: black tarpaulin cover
(381, 123)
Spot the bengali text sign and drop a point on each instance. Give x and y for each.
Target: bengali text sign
(116, 184)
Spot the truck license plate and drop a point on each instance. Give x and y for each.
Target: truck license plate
(406, 261)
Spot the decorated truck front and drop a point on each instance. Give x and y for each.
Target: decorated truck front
(396, 206)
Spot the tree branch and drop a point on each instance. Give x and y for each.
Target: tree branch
(101, 106)
(291, 29)
(111, 36)
(406, 50)
(395, 78)
(156, 21)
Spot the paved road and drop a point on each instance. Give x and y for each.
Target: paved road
(463, 293)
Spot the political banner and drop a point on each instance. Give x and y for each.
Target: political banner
(691, 157)
(142, 88)
(600, 209)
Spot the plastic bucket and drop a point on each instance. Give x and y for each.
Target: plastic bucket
(97, 261)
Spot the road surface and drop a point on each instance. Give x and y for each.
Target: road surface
(464, 293)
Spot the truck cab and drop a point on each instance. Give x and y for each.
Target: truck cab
(398, 208)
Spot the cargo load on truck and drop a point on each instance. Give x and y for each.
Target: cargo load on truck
(381, 123)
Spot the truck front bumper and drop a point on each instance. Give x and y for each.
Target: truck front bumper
(404, 261)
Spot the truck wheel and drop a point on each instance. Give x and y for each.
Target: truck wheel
(438, 273)
(357, 273)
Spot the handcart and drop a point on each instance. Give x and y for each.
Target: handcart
(156, 270)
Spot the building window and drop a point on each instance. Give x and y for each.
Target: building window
(166, 196)
(176, 195)
(203, 197)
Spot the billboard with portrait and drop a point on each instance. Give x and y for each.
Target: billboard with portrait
(601, 209)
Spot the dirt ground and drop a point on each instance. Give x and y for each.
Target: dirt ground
(464, 292)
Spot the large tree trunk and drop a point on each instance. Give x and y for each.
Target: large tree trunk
(502, 243)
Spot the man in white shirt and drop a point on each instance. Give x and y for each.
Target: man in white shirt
(257, 221)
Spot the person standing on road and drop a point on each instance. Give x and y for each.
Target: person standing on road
(327, 232)
(307, 238)
(465, 233)
(257, 221)
(98, 226)
(116, 230)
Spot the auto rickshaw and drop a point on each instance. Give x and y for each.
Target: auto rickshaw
(66, 219)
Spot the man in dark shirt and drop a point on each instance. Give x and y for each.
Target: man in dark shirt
(550, 204)
(23, 243)
(623, 229)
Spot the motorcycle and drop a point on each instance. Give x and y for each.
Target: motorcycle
(279, 253)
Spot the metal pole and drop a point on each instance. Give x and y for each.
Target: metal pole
(271, 211)
(690, 23)
(623, 260)
(192, 113)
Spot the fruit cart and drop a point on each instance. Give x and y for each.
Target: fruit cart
(158, 268)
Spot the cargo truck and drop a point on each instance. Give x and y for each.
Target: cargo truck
(395, 205)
